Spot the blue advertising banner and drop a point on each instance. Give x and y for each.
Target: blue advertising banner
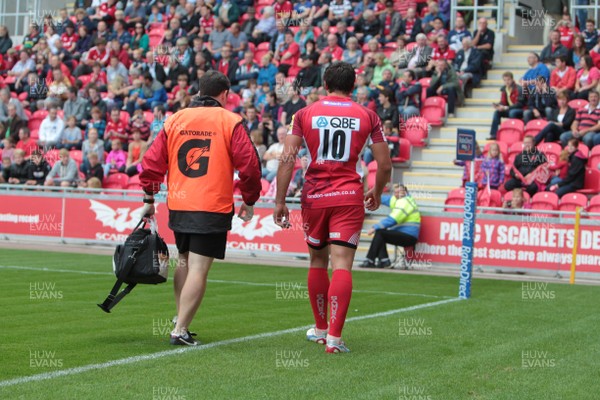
(466, 260)
(465, 144)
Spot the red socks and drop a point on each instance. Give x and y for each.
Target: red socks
(318, 285)
(340, 292)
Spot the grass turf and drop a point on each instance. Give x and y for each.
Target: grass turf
(495, 346)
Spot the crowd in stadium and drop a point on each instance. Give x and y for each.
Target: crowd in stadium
(88, 89)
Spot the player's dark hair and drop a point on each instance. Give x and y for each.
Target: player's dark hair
(339, 77)
(213, 83)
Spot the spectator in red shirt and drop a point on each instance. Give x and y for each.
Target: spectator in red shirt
(333, 48)
(563, 76)
(567, 31)
(25, 143)
(115, 128)
(69, 38)
(99, 53)
(288, 53)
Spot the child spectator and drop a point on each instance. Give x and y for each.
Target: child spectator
(92, 145)
(64, 172)
(9, 148)
(575, 172)
(257, 140)
(517, 201)
(70, 138)
(560, 167)
(92, 169)
(137, 148)
(38, 169)
(5, 168)
(115, 129)
(116, 159)
(492, 168)
(138, 121)
(97, 122)
(17, 172)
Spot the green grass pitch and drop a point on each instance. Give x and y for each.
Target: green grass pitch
(512, 340)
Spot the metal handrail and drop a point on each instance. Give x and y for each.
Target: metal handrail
(595, 7)
(499, 8)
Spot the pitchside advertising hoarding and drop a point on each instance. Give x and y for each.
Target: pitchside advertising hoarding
(517, 242)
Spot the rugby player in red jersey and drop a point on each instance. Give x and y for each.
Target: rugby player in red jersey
(335, 131)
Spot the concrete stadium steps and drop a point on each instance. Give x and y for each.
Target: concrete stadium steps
(517, 48)
(496, 74)
(488, 93)
(485, 113)
(449, 133)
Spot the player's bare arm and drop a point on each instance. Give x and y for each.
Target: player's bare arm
(381, 153)
(284, 175)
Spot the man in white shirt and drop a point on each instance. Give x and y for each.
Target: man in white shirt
(272, 155)
(50, 129)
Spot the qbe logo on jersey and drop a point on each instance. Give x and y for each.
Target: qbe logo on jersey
(335, 136)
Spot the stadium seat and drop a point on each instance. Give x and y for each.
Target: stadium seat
(40, 114)
(591, 185)
(233, 101)
(34, 124)
(416, 131)
(411, 46)
(514, 149)
(570, 201)
(456, 197)
(77, 156)
(594, 158)
(434, 110)
(503, 149)
(149, 116)
(259, 54)
(23, 96)
(425, 83)
(577, 104)
(115, 181)
(265, 186)
(551, 150)
(594, 206)
(124, 118)
(155, 38)
(263, 46)
(511, 130)
(134, 183)
(544, 201)
(534, 127)
(52, 156)
(34, 134)
(404, 146)
(85, 79)
(494, 199)
(584, 149)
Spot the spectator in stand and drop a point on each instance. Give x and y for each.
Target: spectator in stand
(367, 27)
(553, 49)
(20, 70)
(136, 13)
(140, 40)
(441, 51)
(387, 110)
(575, 172)
(541, 102)
(5, 168)
(411, 26)
(237, 40)
(138, 121)
(116, 159)
(309, 77)
(271, 156)
(10, 127)
(100, 53)
(483, 40)
(420, 55)
(157, 123)
(227, 64)
(399, 57)
(58, 91)
(428, 20)
(511, 103)
(91, 169)
(266, 27)
(5, 100)
(257, 140)
(84, 20)
(116, 69)
(121, 34)
(559, 167)
(74, 106)
(293, 105)
(390, 22)
(587, 78)
(217, 39)
(267, 71)
(590, 35)
(456, 35)
(155, 17)
(381, 64)
(468, 64)
(50, 129)
(288, 53)
(492, 168)
(37, 170)
(388, 82)
(559, 120)
(575, 54)
(437, 31)
(409, 96)
(153, 94)
(173, 71)
(5, 40)
(70, 137)
(9, 148)
(155, 68)
(563, 76)
(251, 121)
(33, 36)
(321, 40)
(343, 34)
(333, 47)
(529, 79)
(25, 143)
(517, 201)
(137, 148)
(587, 122)
(526, 163)
(84, 42)
(445, 82)
(97, 122)
(17, 173)
(64, 172)
(339, 10)
(92, 145)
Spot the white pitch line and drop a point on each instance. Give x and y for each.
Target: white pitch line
(273, 285)
(166, 353)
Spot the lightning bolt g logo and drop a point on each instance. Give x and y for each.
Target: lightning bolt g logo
(192, 158)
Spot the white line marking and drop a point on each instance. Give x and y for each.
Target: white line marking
(166, 353)
(273, 285)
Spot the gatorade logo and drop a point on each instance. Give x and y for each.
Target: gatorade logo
(192, 158)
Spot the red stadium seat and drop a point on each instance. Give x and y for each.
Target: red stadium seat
(124, 118)
(258, 55)
(534, 127)
(405, 149)
(155, 38)
(551, 150)
(233, 101)
(584, 149)
(594, 206)
(434, 110)
(265, 186)
(425, 83)
(77, 156)
(134, 183)
(263, 46)
(577, 104)
(40, 114)
(149, 116)
(591, 184)
(34, 124)
(594, 158)
(511, 130)
(544, 201)
(456, 197)
(416, 131)
(52, 156)
(85, 79)
(494, 199)
(570, 201)
(23, 96)
(411, 46)
(34, 134)
(116, 181)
